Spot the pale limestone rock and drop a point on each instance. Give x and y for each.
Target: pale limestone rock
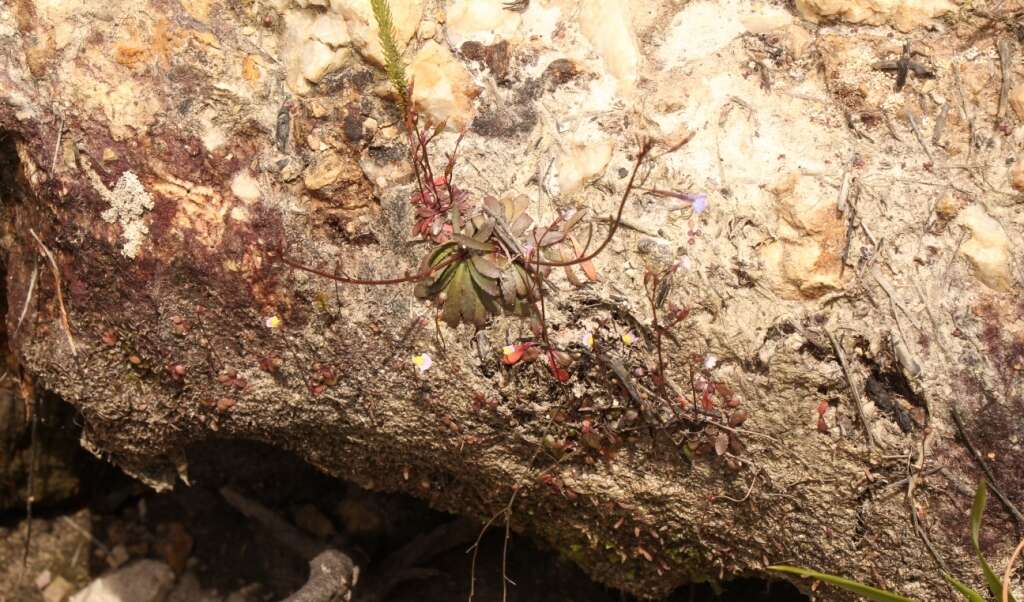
(805, 260)
(362, 27)
(319, 59)
(607, 24)
(1017, 100)
(765, 19)
(328, 169)
(796, 40)
(988, 248)
(904, 15)
(330, 28)
(1017, 175)
(444, 91)
(698, 30)
(57, 590)
(245, 186)
(580, 162)
(142, 581)
(484, 21)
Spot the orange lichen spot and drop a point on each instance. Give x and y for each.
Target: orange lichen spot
(130, 51)
(250, 68)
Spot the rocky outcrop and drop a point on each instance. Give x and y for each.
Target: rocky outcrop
(159, 157)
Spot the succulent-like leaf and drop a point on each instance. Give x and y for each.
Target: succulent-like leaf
(485, 266)
(471, 243)
(487, 285)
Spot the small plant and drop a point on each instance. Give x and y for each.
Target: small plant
(488, 257)
(995, 586)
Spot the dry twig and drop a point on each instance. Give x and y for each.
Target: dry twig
(854, 393)
(60, 293)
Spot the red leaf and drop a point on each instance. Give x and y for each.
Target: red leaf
(512, 356)
(705, 400)
(557, 371)
(822, 407)
(822, 425)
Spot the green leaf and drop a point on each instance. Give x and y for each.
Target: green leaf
(967, 592)
(485, 284)
(871, 593)
(452, 311)
(995, 585)
(485, 266)
(470, 243)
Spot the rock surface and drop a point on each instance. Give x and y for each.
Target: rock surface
(140, 581)
(236, 130)
(904, 15)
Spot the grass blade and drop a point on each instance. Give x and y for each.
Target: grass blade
(977, 513)
(967, 592)
(871, 593)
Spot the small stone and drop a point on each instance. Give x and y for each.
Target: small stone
(428, 29)
(57, 590)
(245, 187)
(485, 21)
(988, 248)
(174, 544)
(141, 581)
(370, 126)
(580, 162)
(109, 155)
(796, 40)
(1017, 175)
(444, 91)
(327, 169)
(904, 15)
(118, 556)
(1017, 100)
(608, 25)
(309, 518)
(362, 26)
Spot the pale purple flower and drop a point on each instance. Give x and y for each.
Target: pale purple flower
(700, 202)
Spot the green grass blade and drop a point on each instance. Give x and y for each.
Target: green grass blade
(995, 585)
(967, 592)
(871, 593)
(392, 57)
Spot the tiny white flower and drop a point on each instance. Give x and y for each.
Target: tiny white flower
(587, 339)
(423, 362)
(686, 263)
(272, 321)
(710, 361)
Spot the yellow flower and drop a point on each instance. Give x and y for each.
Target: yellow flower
(273, 322)
(628, 338)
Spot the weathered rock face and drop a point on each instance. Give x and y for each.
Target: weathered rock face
(165, 153)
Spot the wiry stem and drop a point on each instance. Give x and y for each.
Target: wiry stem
(644, 150)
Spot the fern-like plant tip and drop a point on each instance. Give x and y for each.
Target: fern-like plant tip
(393, 66)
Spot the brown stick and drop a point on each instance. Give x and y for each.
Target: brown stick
(332, 574)
(853, 388)
(60, 293)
